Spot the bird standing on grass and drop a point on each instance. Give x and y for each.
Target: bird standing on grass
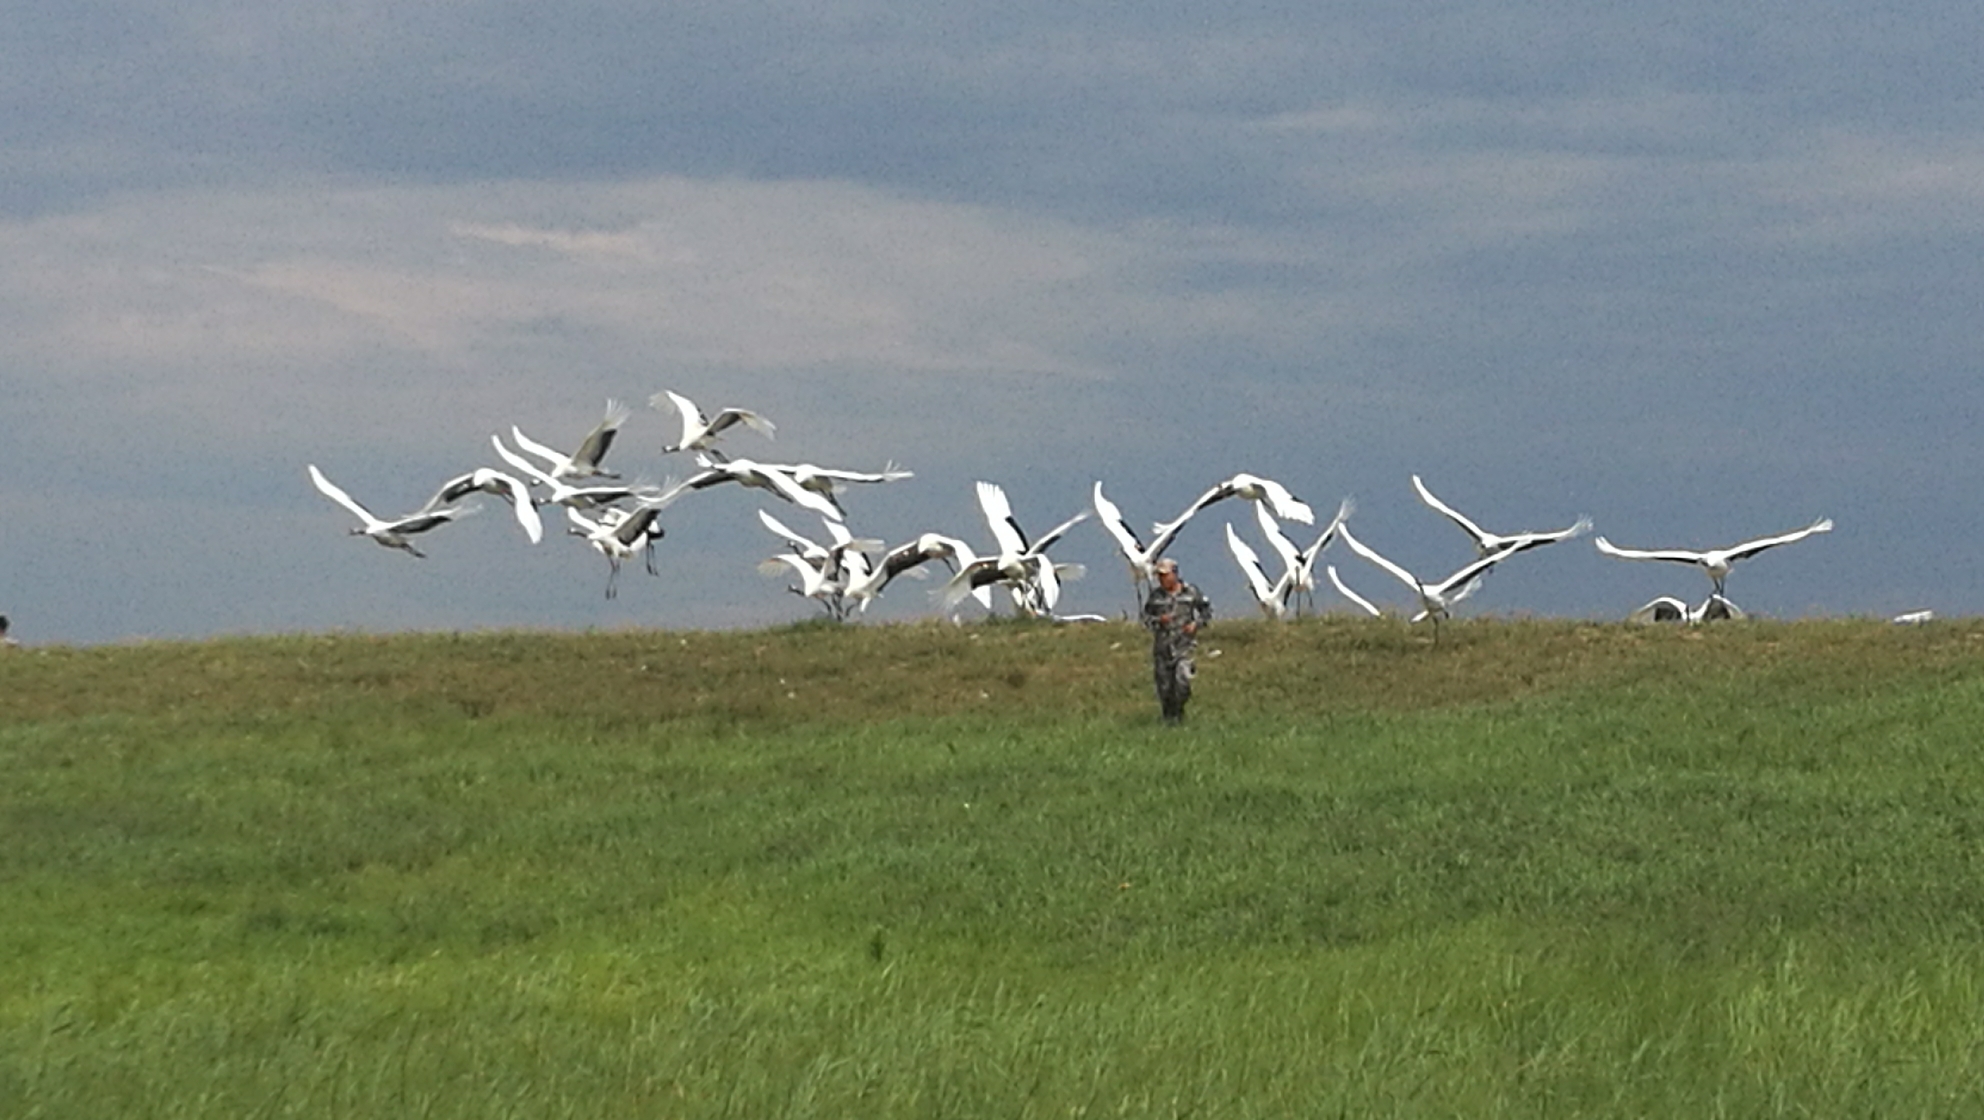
(1667, 608)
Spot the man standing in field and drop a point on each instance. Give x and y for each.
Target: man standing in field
(6, 643)
(1173, 613)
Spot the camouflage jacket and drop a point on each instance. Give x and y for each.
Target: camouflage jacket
(1180, 607)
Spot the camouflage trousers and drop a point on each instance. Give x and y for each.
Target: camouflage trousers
(1172, 670)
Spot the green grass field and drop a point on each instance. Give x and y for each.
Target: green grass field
(1540, 869)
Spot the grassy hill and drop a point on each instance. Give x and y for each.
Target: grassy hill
(1542, 868)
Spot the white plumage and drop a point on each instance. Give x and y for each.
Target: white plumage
(1270, 597)
(583, 463)
(488, 481)
(1252, 487)
(1716, 561)
(1485, 542)
(392, 533)
(1436, 600)
(699, 432)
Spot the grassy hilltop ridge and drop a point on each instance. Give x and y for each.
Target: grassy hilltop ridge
(1542, 868)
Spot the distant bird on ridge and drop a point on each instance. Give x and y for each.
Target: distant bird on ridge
(1667, 608)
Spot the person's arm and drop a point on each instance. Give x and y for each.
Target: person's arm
(1201, 611)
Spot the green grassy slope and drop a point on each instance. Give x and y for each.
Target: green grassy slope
(1540, 869)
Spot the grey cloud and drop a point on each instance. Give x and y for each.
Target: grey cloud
(960, 102)
(1701, 272)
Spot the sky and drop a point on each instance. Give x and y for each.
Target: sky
(1704, 272)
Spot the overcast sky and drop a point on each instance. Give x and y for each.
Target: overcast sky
(1702, 271)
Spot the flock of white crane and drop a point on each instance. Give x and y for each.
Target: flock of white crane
(846, 573)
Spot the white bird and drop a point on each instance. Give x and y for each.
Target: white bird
(1254, 488)
(1715, 608)
(1343, 588)
(563, 493)
(1022, 565)
(839, 564)
(617, 541)
(583, 463)
(814, 581)
(489, 481)
(1486, 542)
(1667, 608)
(1270, 597)
(832, 557)
(1040, 590)
(391, 533)
(1139, 555)
(998, 510)
(831, 480)
(613, 518)
(904, 559)
(962, 557)
(699, 432)
(1299, 564)
(828, 482)
(1436, 600)
(1914, 618)
(1034, 581)
(759, 476)
(1716, 562)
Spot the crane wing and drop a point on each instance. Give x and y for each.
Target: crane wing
(1679, 556)
(1347, 593)
(1371, 554)
(332, 491)
(1450, 513)
(1751, 548)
